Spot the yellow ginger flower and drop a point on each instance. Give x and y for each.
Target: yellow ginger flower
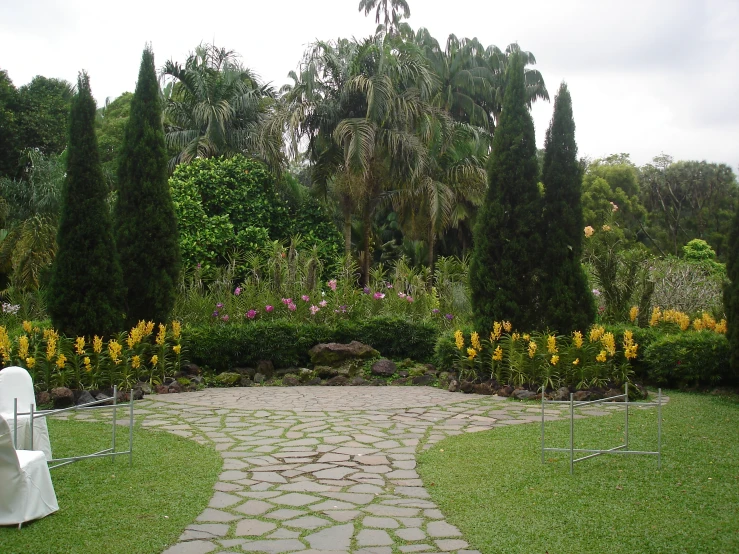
(30, 362)
(79, 345)
(498, 354)
(577, 339)
(532, 349)
(633, 313)
(698, 324)
(86, 361)
(114, 349)
(577, 361)
(177, 348)
(471, 353)
(656, 316)
(60, 361)
(589, 232)
(51, 333)
(475, 340)
(162, 334)
(135, 362)
(507, 326)
(552, 344)
(50, 348)
(459, 339)
(606, 228)
(154, 360)
(609, 343)
(515, 337)
(5, 345)
(22, 346)
(176, 329)
(720, 327)
(134, 337)
(596, 333)
(27, 327)
(708, 321)
(601, 357)
(497, 330)
(149, 328)
(554, 359)
(97, 344)
(630, 347)
(526, 336)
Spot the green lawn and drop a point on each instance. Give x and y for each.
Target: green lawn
(493, 486)
(111, 508)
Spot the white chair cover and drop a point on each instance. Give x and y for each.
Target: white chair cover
(26, 491)
(15, 382)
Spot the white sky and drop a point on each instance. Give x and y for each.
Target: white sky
(646, 76)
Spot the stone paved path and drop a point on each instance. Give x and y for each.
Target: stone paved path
(326, 470)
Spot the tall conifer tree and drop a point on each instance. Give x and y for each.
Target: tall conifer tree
(567, 302)
(85, 287)
(145, 223)
(731, 295)
(505, 275)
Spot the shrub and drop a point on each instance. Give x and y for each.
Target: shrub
(689, 359)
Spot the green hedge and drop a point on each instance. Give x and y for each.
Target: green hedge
(286, 344)
(689, 359)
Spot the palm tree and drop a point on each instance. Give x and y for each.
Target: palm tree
(397, 10)
(217, 107)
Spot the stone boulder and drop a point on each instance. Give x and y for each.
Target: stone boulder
(582, 395)
(290, 380)
(359, 382)
(424, 379)
(85, 398)
(175, 387)
(484, 388)
(614, 392)
(266, 368)
(467, 387)
(62, 397)
(43, 398)
(338, 381)
(384, 367)
(161, 389)
(228, 379)
(191, 369)
(505, 391)
(453, 385)
(334, 353)
(523, 394)
(562, 393)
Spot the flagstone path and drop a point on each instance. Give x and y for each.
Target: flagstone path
(326, 470)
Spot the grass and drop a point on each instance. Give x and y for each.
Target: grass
(112, 508)
(493, 486)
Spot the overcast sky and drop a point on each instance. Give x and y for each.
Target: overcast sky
(646, 76)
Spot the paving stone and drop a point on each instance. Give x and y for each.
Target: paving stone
(416, 548)
(284, 513)
(433, 514)
(332, 505)
(381, 522)
(254, 507)
(375, 550)
(295, 499)
(204, 531)
(334, 473)
(274, 546)
(373, 537)
(307, 522)
(412, 534)
(268, 477)
(342, 515)
(210, 514)
(283, 534)
(354, 498)
(337, 537)
(253, 528)
(372, 460)
(451, 544)
(411, 521)
(223, 500)
(366, 488)
(393, 511)
(232, 475)
(191, 547)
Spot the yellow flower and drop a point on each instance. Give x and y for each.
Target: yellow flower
(630, 351)
(134, 337)
(149, 328)
(27, 327)
(515, 337)
(97, 344)
(720, 327)
(498, 354)
(30, 362)
(177, 349)
(698, 324)
(532, 349)
(708, 321)
(23, 346)
(86, 361)
(656, 316)
(79, 345)
(162, 335)
(497, 329)
(154, 360)
(475, 340)
(609, 343)
(577, 339)
(577, 361)
(633, 313)
(554, 360)
(50, 348)
(459, 339)
(507, 326)
(606, 228)
(596, 333)
(114, 349)
(589, 232)
(471, 353)
(526, 336)
(601, 357)
(60, 361)
(135, 362)
(176, 329)
(551, 344)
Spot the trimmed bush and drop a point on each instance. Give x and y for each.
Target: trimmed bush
(286, 344)
(689, 359)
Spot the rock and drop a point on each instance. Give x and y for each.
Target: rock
(401, 381)
(325, 371)
(43, 398)
(190, 369)
(145, 387)
(359, 382)
(196, 380)
(161, 389)
(431, 369)
(467, 387)
(290, 380)
(228, 379)
(523, 394)
(62, 397)
(484, 388)
(403, 373)
(175, 387)
(245, 381)
(138, 394)
(582, 395)
(259, 378)
(384, 367)
(313, 382)
(338, 381)
(305, 374)
(505, 391)
(562, 393)
(637, 392)
(244, 371)
(377, 382)
(424, 379)
(99, 395)
(333, 353)
(85, 398)
(453, 385)
(266, 368)
(614, 392)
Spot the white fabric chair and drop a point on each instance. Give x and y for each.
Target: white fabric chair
(26, 491)
(15, 382)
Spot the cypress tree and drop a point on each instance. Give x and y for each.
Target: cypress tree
(85, 286)
(731, 296)
(505, 273)
(145, 223)
(567, 302)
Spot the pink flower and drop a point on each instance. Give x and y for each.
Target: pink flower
(409, 298)
(225, 317)
(237, 291)
(378, 296)
(401, 295)
(251, 314)
(292, 307)
(332, 284)
(268, 308)
(305, 298)
(287, 301)
(389, 285)
(323, 303)
(314, 310)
